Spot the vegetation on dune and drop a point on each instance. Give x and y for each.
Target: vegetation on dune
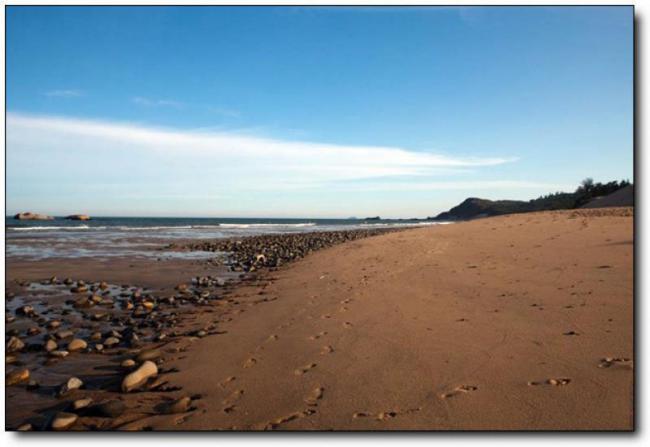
(587, 191)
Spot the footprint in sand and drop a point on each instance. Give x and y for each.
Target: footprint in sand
(304, 369)
(618, 362)
(226, 381)
(229, 409)
(317, 336)
(347, 325)
(327, 350)
(272, 337)
(284, 419)
(326, 316)
(552, 382)
(462, 389)
(346, 301)
(343, 309)
(385, 415)
(250, 362)
(234, 397)
(570, 333)
(315, 395)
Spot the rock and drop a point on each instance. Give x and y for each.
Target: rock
(79, 289)
(68, 281)
(128, 363)
(15, 344)
(54, 324)
(181, 405)
(81, 403)
(33, 331)
(99, 347)
(64, 334)
(96, 336)
(77, 344)
(25, 427)
(59, 354)
(111, 341)
(108, 409)
(140, 376)
(96, 299)
(9, 359)
(50, 345)
(63, 421)
(72, 384)
(78, 217)
(32, 216)
(148, 354)
(103, 285)
(17, 377)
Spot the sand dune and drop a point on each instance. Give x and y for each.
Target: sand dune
(510, 323)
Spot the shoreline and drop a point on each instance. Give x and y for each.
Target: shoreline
(424, 329)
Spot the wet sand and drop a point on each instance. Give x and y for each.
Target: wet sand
(520, 322)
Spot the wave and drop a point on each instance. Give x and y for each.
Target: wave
(269, 225)
(77, 227)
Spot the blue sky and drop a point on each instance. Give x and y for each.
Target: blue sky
(311, 112)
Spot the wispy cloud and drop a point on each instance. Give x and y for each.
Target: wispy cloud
(156, 102)
(283, 161)
(63, 93)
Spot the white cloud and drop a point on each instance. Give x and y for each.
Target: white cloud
(222, 161)
(64, 93)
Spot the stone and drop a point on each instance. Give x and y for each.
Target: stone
(25, 427)
(15, 344)
(50, 345)
(78, 217)
(17, 377)
(59, 354)
(148, 354)
(77, 344)
(64, 334)
(81, 403)
(72, 384)
(128, 363)
(111, 341)
(140, 376)
(54, 324)
(32, 216)
(63, 421)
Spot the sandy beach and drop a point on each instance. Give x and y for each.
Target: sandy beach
(520, 322)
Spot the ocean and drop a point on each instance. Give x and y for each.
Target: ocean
(104, 237)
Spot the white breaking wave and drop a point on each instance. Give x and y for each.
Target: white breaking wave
(78, 227)
(268, 225)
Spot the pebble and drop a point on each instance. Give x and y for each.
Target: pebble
(54, 324)
(15, 344)
(81, 403)
(10, 359)
(64, 334)
(148, 354)
(72, 384)
(50, 345)
(17, 377)
(63, 421)
(77, 344)
(59, 354)
(128, 363)
(140, 376)
(111, 341)
(25, 427)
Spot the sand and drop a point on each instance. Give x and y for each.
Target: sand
(521, 322)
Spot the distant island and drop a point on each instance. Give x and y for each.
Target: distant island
(587, 195)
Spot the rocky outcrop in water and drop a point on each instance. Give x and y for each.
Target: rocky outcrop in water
(32, 216)
(78, 217)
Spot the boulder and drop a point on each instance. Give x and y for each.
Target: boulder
(32, 216)
(78, 217)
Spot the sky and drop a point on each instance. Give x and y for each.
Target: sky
(310, 111)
